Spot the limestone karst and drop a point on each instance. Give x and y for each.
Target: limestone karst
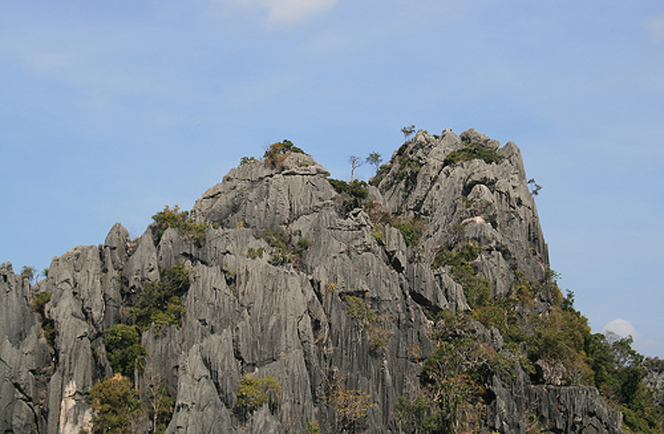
(357, 300)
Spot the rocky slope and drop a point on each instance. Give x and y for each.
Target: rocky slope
(332, 294)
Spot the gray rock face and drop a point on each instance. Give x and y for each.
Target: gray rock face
(343, 306)
(655, 378)
(487, 202)
(25, 358)
(261, 197)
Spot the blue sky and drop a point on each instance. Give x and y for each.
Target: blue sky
(112, 110)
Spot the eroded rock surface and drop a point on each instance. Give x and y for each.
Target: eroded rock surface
(348, 309)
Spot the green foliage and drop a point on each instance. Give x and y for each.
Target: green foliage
(560, 337)
(116, 405)
(278, 239)
(457, 258)
(359, 309)
(302, 245)
(174, 218)
(276, 153)
(124, 350)
(313, 428)
(48, 325)
(476, 289)
(374, 159)
(50, 332)
(378, 214)
(453, 376)
(162, 405)
(351, 195)
(407, 164)
(412, 413)
(356, 188)
(40, 301)
(408, 131)
(350, 407)
(380, 174)
(255, 253)
(284, 252)
(247, 160)
(29, 272)
(254, 393)
(411, 230)
(377, 233)
(160, 302)
(452, 399)
(618, 374)
(378, 338)
(470, 152)
(534, 187)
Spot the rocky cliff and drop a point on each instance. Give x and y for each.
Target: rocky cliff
(358, 300)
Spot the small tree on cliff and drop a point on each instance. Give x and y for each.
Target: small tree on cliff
(374, 159)
(408, 131)
(116, 405)
(355, 162)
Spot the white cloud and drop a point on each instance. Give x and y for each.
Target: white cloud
(622, 328)
(655, 27)
(296, 10)
(282, 11)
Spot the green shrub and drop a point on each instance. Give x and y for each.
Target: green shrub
(407, 164)
(174, 218)
(476, 289)
(48, 325)
(124, 350)
(254, 393)
(618, 374)
(160, 302)
(452, 374)
(283, 251)
(278, 239)
(40, 301)
(380, 174)
(359, 309)
(411, 230)
(302, 245)
(379, 214)
(350, 407)
(457, 258)
(356, 189)
(276, 153)
(378, 338)
(377, 233)
(50, 331)
(162, 405)
(116, 406)
(247, 160)
(29, 272)
(411, 413)
(255, 253)
(313, 428)
(470, 152)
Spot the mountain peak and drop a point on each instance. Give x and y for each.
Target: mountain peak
(287, 301)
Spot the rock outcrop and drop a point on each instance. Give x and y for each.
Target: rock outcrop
(293, 280)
